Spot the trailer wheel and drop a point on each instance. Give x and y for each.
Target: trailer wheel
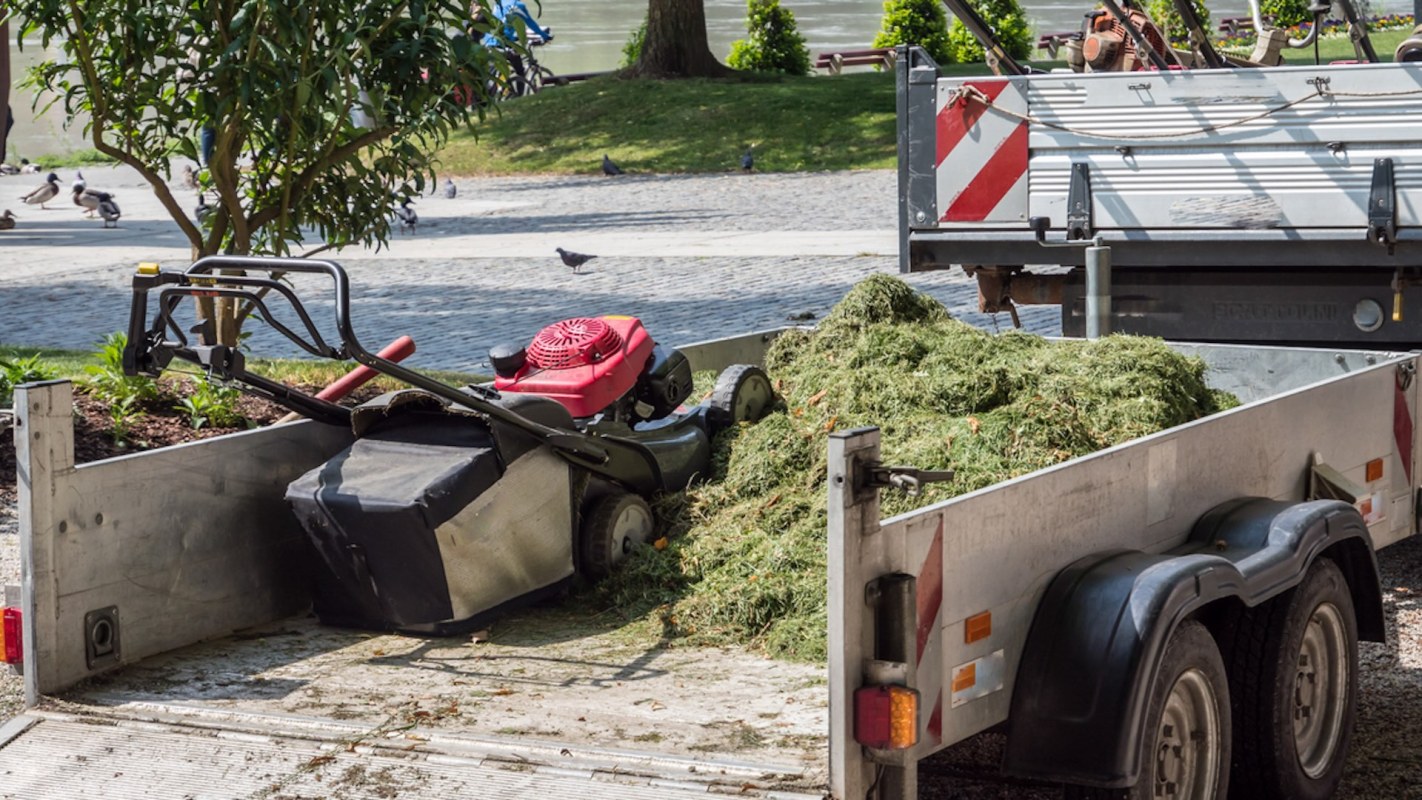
(614, 525)
(1185, 745)
(743, 393)
(1293, 680)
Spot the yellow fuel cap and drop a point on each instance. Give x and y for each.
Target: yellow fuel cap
(147, 268)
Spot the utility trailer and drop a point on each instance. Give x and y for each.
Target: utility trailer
(168, 648)
(1279, 205)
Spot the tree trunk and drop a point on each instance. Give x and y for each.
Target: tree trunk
(676, 45)
(5, 87)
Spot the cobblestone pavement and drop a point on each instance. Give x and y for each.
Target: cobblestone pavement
(695, 257)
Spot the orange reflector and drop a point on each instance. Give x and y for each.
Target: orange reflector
(965, 677)
(977, 627)
(1375, 470)
(11, 636)
(886, 717)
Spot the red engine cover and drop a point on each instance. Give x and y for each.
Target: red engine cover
(586, 363)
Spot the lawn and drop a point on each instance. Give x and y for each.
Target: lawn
(795, 124)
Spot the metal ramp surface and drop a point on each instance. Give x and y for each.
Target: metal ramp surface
(196, 754)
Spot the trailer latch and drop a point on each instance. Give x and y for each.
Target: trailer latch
(908, 479)
(1382, 206)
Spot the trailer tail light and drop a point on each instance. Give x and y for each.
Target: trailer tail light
(1373, 471)
(11, 636)
(886, 717)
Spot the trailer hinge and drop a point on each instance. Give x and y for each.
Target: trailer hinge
(910, 479)
(1382, 206)
(1078, 219)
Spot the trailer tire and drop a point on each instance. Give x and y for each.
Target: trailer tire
(1294, 685)
(614, 525)
(1185, 742)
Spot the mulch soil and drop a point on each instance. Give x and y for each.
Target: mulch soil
(160, 425)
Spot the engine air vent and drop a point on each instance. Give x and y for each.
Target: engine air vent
(573, 343)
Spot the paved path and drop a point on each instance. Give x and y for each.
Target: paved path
(696, 257)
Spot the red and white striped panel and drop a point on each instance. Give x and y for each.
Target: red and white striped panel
(929, 680)
(982, 154)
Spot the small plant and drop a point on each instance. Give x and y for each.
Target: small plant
(21, 370)
(1007, 20)
(106, 380)
(1164, 14)
(632, 50)
(920, 22)
(211, 403)
(772, 43)
(122, 414)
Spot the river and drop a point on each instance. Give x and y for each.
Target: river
(589, 35)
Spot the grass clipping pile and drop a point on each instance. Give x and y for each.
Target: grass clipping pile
(745, 561)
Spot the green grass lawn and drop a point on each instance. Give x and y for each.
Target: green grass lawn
(796, 124)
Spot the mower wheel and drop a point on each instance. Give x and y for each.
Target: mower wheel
(743, 393)
(614, 525)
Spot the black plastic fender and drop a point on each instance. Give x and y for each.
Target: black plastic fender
(1101, 628)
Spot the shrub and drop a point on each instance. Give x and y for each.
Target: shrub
(772, 43)
(632, 50)
(920, 22)
(1006, 18)
(21, 370)
(1164, 14)
(1285, 12)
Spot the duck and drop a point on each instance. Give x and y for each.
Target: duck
(190, 178)
(203, 210)
(9, 169)
(27, 168)
(108, 209)
(407, 216)
(7, 220)
(44, 193)
(89, 199)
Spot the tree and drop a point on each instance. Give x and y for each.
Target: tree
(772, 43)
(321, 116)
(920, 22)
(676, 44)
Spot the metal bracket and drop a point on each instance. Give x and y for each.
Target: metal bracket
(1382, 206)
(1078, 219)
(873, 475)
(101, 637)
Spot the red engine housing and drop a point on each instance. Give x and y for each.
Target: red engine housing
(586, 364)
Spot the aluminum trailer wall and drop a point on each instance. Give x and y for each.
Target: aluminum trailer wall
(996, 550)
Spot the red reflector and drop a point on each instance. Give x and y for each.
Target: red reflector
(11, 636)
(886, 717)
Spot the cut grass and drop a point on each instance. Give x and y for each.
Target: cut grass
(745, 563)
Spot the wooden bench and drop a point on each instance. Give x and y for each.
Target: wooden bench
(836, 61)
(1231, 26)
(1052, 42)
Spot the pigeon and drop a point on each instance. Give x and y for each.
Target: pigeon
(203, 210)
(609, 168)
(449, 190)
(46, 192)
(407, 216)
(748, 159)
(190, 178)
(108, 209)
(574, 260)
(7, 220)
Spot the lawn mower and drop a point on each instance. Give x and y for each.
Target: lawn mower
(453, 504)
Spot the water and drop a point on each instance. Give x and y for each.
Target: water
(589, 35)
